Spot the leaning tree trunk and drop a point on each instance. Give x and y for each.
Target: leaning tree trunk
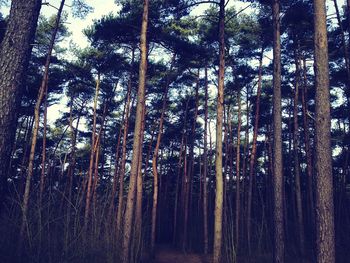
(137, 147)
(42, 89)
(324, 180)
(14, 58)
(219, 196)
(278, 256)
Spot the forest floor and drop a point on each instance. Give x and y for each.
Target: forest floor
(168, 254)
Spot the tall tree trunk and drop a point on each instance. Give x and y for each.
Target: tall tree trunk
(138, 213)
(123, 161)
(115, 178)
(300, 216)
(15, 52)
(219, 196)
(43, 157)
(92, 157)
(138, 134)
(253, 153)
(41, 95)
(324, 181)
(117, 163)
(71, 168)
(278, 256)
(304, 99)
(43, 171)
(244, 199)
(189, 174)
(155, 171)
(238, 175)
(182, 153)
(205, 167)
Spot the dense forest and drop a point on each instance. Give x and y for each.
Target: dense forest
(186, 131)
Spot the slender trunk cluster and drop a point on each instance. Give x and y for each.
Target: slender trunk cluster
(42, 93)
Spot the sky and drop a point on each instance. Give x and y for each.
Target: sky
(76, 25)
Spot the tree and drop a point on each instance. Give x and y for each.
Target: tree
(137, 147)
(219, 196)
(14, 58)
(277, 139)
(43, 92)
(324, 181)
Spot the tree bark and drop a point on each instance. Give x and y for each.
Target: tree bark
(138, 134)
(205, 167)
(15, 52)
(219, 196)
(278, 256)
(138, 210)
(324, 181)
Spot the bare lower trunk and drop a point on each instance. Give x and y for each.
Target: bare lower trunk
(123, 161)
(300, 216)
(205, 168)
(138, 134)
(238, 175)
(189, 173)
(138, 210)
(324, 180)
(219, 196)
(253, 153)
(155, 172)
(182, 152)
(92, 158)
(304, 99)
(43, 160)
(277, 139)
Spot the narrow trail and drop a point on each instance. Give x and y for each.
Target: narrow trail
(167, 254)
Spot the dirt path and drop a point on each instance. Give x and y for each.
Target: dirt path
(171, 255)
